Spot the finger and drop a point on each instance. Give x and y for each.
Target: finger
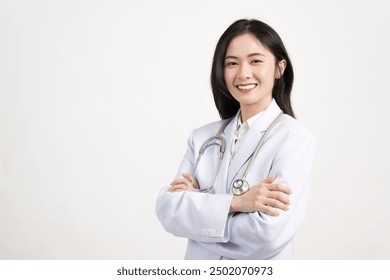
(196, 183)
(182, 181)
(279, 196)
(276, 204)
(270, 179)
(172, 188)
(177, 181)
(178, 187)
(270, 211)
(186, 175)
(180, 190)
(279, 188)
(191, 179)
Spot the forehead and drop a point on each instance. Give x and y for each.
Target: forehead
(245, 44)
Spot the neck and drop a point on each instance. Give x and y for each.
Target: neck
(248, 111)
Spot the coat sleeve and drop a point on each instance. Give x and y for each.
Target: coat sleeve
(198, 216)
(260, 236)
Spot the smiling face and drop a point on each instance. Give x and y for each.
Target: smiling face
(250, 71)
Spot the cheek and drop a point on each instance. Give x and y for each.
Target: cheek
(265, 71)
(229, 77)
(266, 75)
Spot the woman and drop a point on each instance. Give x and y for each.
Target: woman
(251, 79)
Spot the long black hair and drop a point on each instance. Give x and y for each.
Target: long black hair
(226, 105)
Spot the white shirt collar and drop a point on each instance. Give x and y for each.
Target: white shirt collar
(249, 122)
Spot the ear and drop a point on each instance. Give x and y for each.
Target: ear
(281, 66)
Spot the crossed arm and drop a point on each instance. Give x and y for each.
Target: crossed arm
(253, 231)
(266, 197)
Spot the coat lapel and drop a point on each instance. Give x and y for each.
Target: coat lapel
(228, 134)
(249, 143)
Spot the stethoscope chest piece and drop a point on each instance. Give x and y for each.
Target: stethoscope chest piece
(240, 187)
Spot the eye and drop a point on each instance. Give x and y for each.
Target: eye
(256, 61)
(230, 63)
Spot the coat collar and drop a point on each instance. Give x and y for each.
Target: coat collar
(249, 143)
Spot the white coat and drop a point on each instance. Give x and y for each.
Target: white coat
(204, 218)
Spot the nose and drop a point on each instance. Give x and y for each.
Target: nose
(244, 72)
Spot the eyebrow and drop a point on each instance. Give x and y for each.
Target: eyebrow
(249, 55)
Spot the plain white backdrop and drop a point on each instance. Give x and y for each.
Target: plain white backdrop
(97, 99)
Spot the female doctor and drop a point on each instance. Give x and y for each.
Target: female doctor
(242, 188)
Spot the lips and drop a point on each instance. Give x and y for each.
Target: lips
(246, 86)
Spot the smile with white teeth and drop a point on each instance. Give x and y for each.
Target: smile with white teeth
(246, 87)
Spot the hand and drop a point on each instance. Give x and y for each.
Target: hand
(263, 197)
(184, 184)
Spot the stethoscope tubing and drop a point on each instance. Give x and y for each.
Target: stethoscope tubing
(260, 144)
(239, 186)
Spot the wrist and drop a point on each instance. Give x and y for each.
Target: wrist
(233, 204)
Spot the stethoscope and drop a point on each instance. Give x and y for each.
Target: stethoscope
(239, 186)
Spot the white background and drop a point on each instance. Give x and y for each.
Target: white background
(97, 99)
